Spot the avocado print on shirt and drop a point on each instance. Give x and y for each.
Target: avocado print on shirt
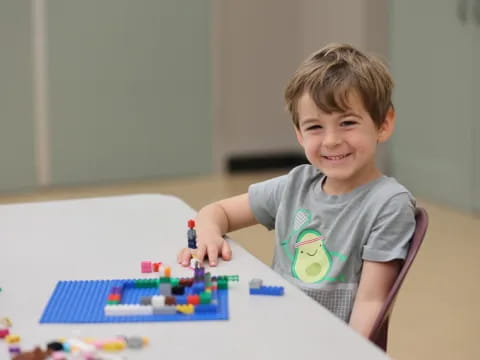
(312, 260)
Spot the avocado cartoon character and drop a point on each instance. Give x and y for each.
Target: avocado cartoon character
(312, 260)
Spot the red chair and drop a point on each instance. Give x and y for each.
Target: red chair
(380, 328)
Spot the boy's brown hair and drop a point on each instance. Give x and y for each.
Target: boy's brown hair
(332, 73)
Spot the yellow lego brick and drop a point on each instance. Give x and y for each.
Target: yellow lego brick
(185, 309)
(12, 339)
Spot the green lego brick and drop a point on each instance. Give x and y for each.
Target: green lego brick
(205, 298)
(146, 283)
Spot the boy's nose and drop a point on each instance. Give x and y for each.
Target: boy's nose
(332, 139)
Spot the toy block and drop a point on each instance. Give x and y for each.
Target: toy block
(156, 267)
(185, 309)
(222, 284)
(114, 297)
(206, 308)
(268, 290)
(117, 344)
(198, 287)
(12, 339)
(146, 300)
(5, 321)
(135, 342)
(4, 333)
(193, 299)
(181, 300)
(55, 346)
(80, 345)
(187, 282)
(164, 310)
(158, 300)
(255, 283)
(167, 271)
(170, 300)
(146, 266)
(205, 298)
(165, 289)
(14, 350)
(178, 290)
(146, 283)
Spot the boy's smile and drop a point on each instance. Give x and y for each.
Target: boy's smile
(341, 145)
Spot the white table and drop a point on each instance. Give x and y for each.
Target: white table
(107, 238)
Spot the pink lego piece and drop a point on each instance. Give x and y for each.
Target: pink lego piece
(3, 333)
(146, 266)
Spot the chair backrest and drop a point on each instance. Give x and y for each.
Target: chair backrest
(380, 328)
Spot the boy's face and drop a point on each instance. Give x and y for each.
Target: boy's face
(341, 145)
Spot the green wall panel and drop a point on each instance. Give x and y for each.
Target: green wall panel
(16, 99)
(129, 88)
(432, 149)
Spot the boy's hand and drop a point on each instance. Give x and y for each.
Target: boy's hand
(213, 249)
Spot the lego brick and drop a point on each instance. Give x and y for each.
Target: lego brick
(255, 283)
(165, 310)
(186, 309)
(146, 300)
(158, 300)
(146, 266)
(84, 302)
(165, 289)
(268, 290)
(178, 290)
(205, 308)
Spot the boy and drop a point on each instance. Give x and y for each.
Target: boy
(342, 227)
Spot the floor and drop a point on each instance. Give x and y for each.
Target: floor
(437, 313)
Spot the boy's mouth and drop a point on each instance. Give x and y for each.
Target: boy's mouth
(336, 157)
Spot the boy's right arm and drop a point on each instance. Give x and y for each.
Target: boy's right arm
(212, 222)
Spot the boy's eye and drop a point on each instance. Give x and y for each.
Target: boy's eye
(313, 127)
(348, 123)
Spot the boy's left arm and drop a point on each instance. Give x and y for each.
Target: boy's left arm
(375, 282)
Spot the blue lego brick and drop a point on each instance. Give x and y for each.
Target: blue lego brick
(267, 290)
(206, 308)
(84, 302)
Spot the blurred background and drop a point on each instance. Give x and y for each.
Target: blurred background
(104, 97)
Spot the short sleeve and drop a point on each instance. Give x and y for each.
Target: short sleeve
(264, 198)
(392, 230)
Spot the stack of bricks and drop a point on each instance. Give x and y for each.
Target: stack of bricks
(12, 340)
(257, 288)
(175, 295)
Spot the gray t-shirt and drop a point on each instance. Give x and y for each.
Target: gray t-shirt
(322, 240)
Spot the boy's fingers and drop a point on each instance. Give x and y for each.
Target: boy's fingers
(200, 252)
(184, 257)
(226, 251)
(212, 251)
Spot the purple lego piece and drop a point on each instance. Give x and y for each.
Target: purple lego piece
(116, 290)
(268, 290)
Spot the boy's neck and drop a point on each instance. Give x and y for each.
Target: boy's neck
(339, 187)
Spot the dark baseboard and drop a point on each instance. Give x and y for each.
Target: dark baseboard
(261, 161)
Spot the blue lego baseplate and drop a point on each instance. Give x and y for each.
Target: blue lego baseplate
(84, 302)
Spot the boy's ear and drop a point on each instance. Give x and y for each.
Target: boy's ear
(299, 135)
(386, 129)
